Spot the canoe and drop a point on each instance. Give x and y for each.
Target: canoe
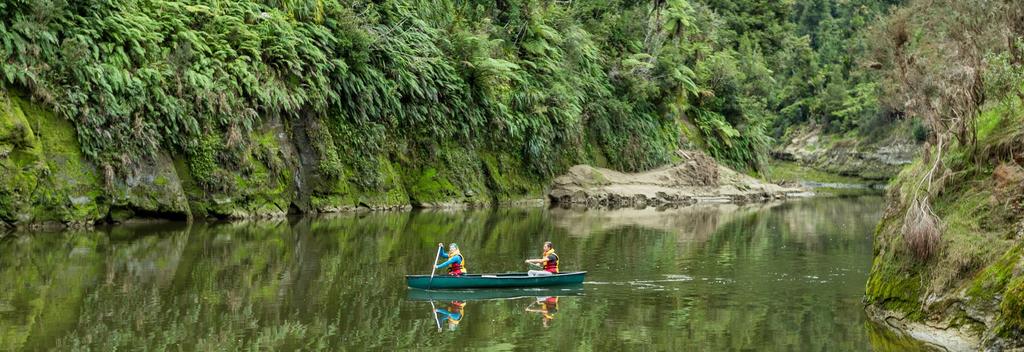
(492, 293)
(493, 280)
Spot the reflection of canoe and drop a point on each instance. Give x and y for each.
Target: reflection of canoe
(486, 294)
(493, 280)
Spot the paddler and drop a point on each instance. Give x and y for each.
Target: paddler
(548, 261)
(456, 263)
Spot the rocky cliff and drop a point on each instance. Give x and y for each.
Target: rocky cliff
(951, 272)
(879, 158)
(280, 167)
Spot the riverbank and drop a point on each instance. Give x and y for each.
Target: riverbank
(951, 272)
(875, 157)
(821, 182)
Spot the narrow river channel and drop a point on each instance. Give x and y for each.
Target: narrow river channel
(771, 277)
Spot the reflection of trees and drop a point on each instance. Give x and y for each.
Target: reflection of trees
(47, 276)
(777, 296)
(337, 282)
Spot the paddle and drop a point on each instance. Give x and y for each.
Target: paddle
(434, 267)
(433, 309)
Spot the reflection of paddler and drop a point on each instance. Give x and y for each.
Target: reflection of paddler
(453, 314)
(547, 306)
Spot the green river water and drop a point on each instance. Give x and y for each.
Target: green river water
(772, 277)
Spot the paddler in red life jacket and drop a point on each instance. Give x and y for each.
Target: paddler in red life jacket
(548, 262)
(456, 263)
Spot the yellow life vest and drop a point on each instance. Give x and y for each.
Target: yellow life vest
(457, 266)
(460, 308)
(548, 266)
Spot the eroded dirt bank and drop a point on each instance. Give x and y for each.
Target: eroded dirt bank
(696, 179)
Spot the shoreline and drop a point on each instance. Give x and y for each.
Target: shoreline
(547, 202)
(941, 338)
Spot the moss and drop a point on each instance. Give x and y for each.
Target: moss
(257, 183)
(329, 163)
(160, 181)
(893, 287)
(508, 180)
(979, 255)
(994, 279)
(895, 281)
(455, 174)
(51, 177)
(1012, 309)
(430, 187)
(331, 195)
(202, 162)
(390, 190)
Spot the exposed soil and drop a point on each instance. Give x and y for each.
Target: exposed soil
(698, 178)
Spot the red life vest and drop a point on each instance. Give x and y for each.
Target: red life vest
(551, 266)
(457, 269)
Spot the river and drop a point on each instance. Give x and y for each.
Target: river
(767, 277)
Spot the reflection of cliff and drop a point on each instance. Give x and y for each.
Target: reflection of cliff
(153, 257)
(816, 216)
(43, 286)
(47, 283)
(687, 223)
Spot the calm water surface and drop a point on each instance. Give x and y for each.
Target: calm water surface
(776, 277)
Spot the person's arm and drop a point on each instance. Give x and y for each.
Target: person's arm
(443, 312)
(444, 253)
(457, 259)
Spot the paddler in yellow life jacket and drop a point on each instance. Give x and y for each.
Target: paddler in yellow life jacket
(456, 262)
(453, 314)
(548, 262)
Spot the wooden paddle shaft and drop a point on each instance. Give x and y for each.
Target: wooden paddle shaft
(433, 309)
(433, 268)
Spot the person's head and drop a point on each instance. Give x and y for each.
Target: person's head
(548, 246)
(453, 247)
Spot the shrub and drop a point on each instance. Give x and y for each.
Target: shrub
(921, 230)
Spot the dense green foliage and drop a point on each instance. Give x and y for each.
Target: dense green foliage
(552, 82)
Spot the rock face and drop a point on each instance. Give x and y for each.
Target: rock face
(696, 179)
(43, 175)
(969, 294)
(281, 166)
(878, 160)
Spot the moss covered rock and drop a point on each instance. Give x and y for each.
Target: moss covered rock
(46, 177)
(231, 177)
(151, 190)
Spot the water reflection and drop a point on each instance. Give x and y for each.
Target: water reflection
(786, 276)
(546, 307)
(452, 315)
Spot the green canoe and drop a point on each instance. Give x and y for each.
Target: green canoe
(492, 293)
(493, 280)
